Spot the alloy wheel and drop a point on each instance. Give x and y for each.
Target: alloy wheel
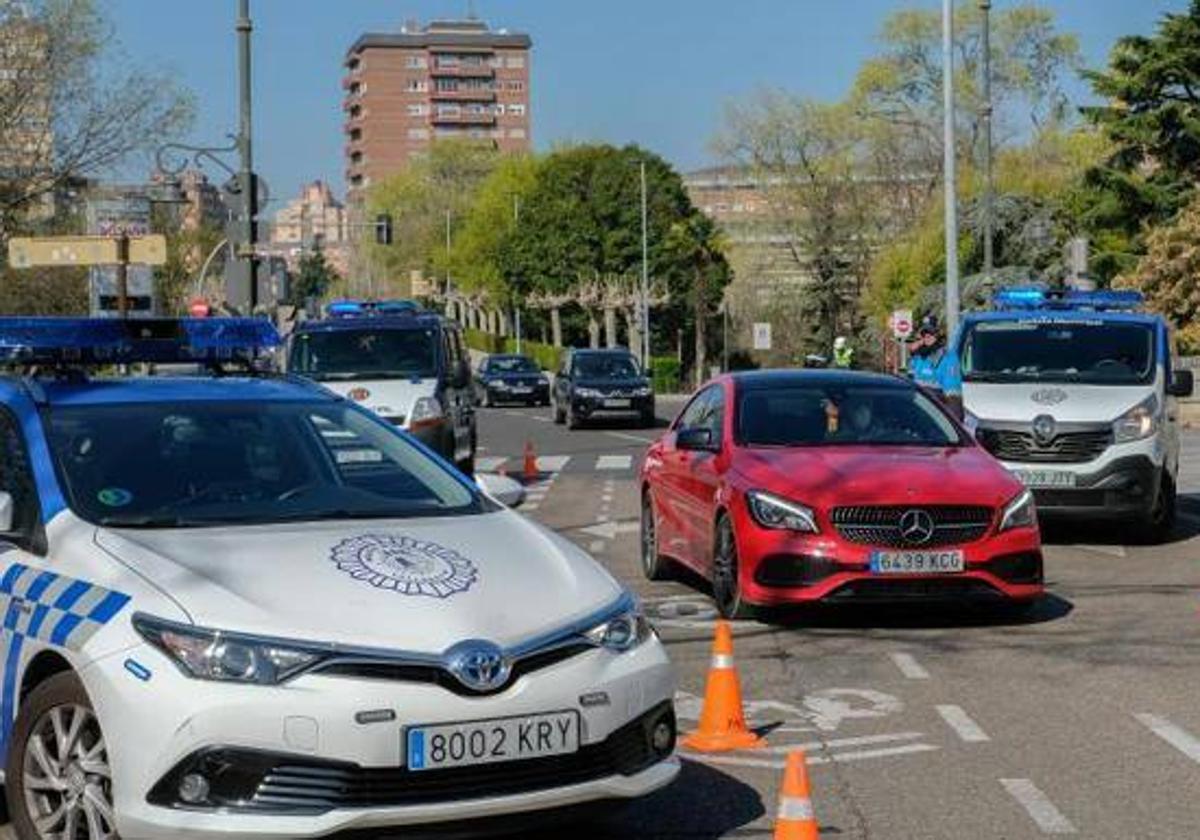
(726, 591)
(67, 782)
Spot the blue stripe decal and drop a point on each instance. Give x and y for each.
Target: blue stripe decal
(38, 588)
(7, 706)
(13, 615)
(72, 595)
(39, 618)
(11, 577)
(112, 604)
(65, 627)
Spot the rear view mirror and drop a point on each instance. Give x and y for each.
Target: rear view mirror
(1182, 384)
(6, 512)
(695, 440)
(501, 488)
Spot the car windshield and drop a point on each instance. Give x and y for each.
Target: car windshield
(606, 367)
(1088, 351)
(220, 463)
(511, 364)
(345, 355)
(841, 415)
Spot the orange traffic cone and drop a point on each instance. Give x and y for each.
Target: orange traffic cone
(795, 819)
(531, 467)
(722, 721)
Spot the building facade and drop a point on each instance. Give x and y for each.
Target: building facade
(449, 79)
(314, 219)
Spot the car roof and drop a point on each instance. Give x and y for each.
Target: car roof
(350, 323)
(1063, 315)
(169, 389)
(601, 351)
(761, 379)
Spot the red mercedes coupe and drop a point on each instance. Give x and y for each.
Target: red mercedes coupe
(789, 487)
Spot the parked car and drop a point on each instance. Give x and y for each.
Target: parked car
(510, 379)
(594, 383)
(792, 487)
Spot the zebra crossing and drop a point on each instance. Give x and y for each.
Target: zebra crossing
(555, 464)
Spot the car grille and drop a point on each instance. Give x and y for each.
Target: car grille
(880, 526)
(244, 780)
(1066, 448)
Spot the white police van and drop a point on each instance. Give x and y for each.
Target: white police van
(1075, 392)
(238, 605)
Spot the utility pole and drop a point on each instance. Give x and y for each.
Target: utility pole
(517, 305)
(645, 271)
(987, 113)
(247, 181)
(951, 174)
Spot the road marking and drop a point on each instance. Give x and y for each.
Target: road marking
(1177, 737)
(614, 462)
(539, 419)
(1039, 807)
(838, 758)
(1108, 550)
(909, 666)
(490, 463)
(553, 463)
(597, 546)
(607, 529)
(835, 743)
(622, 436)
(961, 723)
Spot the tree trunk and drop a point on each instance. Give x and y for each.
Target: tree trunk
(556, 325)
(635, 333)
(502, 324)
(610, 327)
(593, 330)
(701, 318)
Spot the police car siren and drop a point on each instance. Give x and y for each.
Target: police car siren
(359, 308)
(1040, 296)
(101, 341)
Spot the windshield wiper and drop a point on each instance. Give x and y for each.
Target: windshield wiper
(158, 522)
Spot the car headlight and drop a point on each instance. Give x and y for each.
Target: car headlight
(588, 393)
(499, 384)
(1021, 512)
(1138, 423)
(970, 421)
(771, 511)
(225, 657)
(543, 380)
(624, 630)
(643, 391)
(426, 411)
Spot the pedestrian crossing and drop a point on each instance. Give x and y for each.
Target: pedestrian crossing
(555, 464)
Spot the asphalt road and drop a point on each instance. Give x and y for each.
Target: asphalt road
(919, 724)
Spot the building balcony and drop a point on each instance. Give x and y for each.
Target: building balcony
(461, 71)
(463, 119)
(463, 95)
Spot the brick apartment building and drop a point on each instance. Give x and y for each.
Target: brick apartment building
(449, 79)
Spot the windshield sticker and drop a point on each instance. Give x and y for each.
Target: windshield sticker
(404, 565)
(114, 497)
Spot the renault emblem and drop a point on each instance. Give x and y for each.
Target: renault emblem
(916, 527)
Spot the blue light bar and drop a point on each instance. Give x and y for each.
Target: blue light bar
(1041, 297)
(1020, 297)
(113, 341)
(360, 308)
(341, 308)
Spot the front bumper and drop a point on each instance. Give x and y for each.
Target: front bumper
(535, 394)
(1125, 487)
(591, 406)
(308, 728)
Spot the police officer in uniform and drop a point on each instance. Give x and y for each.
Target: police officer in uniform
(935, 366)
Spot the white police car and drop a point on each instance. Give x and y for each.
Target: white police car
(243, 606)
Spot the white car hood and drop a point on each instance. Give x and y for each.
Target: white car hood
(1021, 402)
(386, 397)
(417, 585)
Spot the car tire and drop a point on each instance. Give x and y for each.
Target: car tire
(648, 420)
(654, 565)
(726, 586)
(1156, 526)
(574, 421)
(85, 776)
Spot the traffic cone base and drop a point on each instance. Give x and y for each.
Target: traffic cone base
(795, 819)
(722, 721)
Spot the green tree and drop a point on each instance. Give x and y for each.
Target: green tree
(313, 280)
(1151, 116)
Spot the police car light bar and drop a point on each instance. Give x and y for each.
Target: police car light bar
(48, 340)
(358, 308)
(1041, 297)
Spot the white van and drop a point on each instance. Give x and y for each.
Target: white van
(1075, 393)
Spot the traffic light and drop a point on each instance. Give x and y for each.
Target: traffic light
(383, 229)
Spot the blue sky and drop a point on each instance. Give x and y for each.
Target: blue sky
(652, 71)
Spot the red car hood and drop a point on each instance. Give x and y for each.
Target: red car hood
(825, 477)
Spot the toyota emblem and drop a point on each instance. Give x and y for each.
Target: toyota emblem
(916, 527)
(480, 666)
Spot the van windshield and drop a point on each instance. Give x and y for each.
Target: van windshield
(345, 355)
(1091, 352)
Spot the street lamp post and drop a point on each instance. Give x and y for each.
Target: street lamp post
(645, 270)
(989, 187)
(246, 178)
(951, 174)
(517, 305)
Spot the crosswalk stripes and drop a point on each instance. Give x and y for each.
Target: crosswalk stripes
(614, 462)
(554, 464)
(490, 463)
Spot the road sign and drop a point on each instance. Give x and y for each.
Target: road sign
(66, 251)
(762, 336)
(902, 323)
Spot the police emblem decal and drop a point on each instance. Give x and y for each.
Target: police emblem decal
(405, 565)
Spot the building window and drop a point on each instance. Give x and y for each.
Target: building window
(355, 111)
(356, 88)
(517, 110)
(448, 110)
(500, 110)
(418, 110)
(356, 158)
(417, 62)
(355, 135)
(357, 180)
(516, 85)
(496, 62)
(447, 61)
(354, 64)
(418, 134)
(417, 86)
(477, 109)
(515, 62)
(447, 85)
(447, 132)
(517, 133)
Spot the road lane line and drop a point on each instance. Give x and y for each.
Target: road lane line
(553, 463)
(834, 743)
(614, 462)
(836, 758)
(909, 666)
(621, 436)
(966, 729)
(1039, 807)
(490, 464)
(1177, 737)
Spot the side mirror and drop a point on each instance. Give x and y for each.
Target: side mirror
(695, 440)
(501, 488)
(1183, 384)
(7, 514)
